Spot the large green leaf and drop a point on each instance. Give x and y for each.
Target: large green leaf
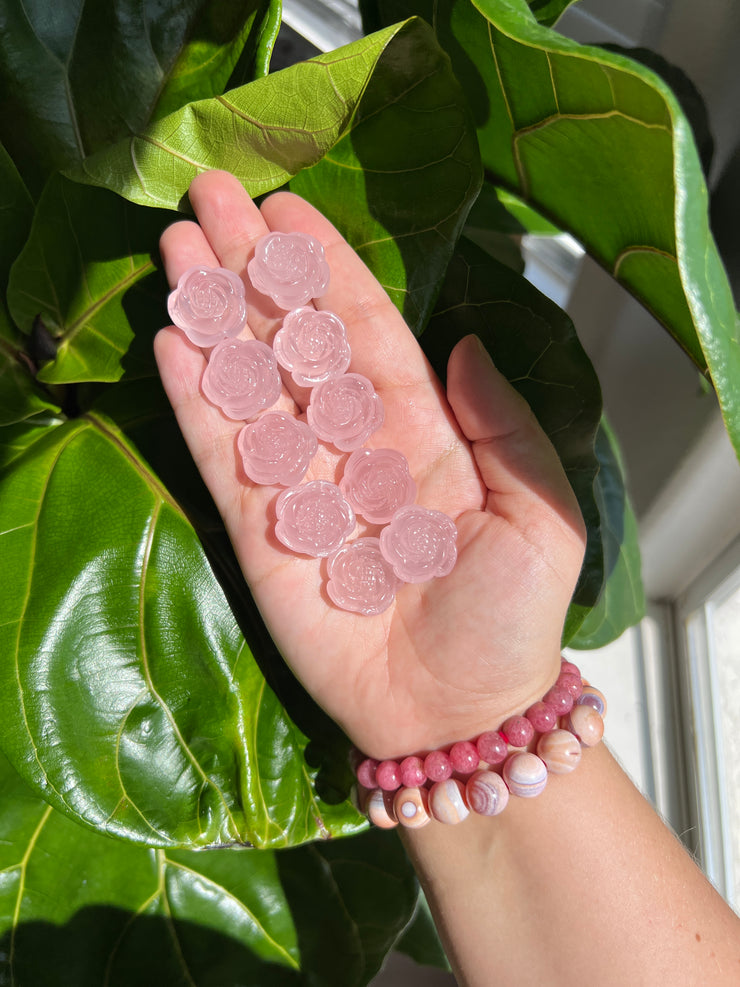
(81, 74)
(79, 910)
(599, 144)
(378, 130)
(549, 11)
(622, 600)
(86, 250)
(128, 696)
(533, 343)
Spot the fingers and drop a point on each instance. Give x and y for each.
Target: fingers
(516, 460)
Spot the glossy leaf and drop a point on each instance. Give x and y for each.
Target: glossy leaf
(376, 134)
(533, 343)
(129, 697)
(599, 144)
(79, 910)
(548, 12)
(86, 250)
(622, 600)
(81, 75)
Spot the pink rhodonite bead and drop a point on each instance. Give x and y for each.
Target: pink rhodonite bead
(464, 757)
(542, 717)
(314, 518)
(572, 683)
(559, 699)
(492, 747)
(277, 448)
(360, 579)
(518, 730)
(312, 346)
(208, 305)
(437, 766)
(412, 772)
(420, 544)
(486, 793)
(241, 377)
(366, 772)
(345, 411)
(290, 268)
(388, 775)
(377, 483)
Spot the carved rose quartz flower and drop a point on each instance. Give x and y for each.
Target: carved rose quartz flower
(241, 377)
(360, 579)
(208, 305)
(345, 411)
(314, 518)
(277, 448)
(377, 483)
(290, 268)
(419, 544)
(312, 346)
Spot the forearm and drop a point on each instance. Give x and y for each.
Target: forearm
(583, 883)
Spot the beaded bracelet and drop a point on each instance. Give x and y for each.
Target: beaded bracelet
(479, 775)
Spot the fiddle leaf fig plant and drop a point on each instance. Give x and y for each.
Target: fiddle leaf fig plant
(169, 786)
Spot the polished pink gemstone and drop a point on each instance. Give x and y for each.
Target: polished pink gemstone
(241, 377)
(486, 793)
(360, 579)
(411, 806)
(525, 774)
(277, 448)
(412, 772)
(366, 772)
(388, 775)
(492, 747)
(437, 766)
(290, 267)
(542, 717)
(447, 801)
(518, 730)
(585, 722)
(464, 757)
(568, 668)
(592, 697)
(572, 683)
(559, 699)
(313, 346)
(380, 809)
(377, 483)
(208, 305)
(345, 411)
(314, 518)
(560, 750)
(420, 544)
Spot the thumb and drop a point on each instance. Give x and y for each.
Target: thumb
(516, 460)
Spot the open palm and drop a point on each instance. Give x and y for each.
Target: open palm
(453, 656)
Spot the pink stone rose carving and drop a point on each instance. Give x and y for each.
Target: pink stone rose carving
(345, 411)
(360, 579)
(419, 544)
(314, 518)
(277, 448)
(242, 377)
(377, 483)
(290, 268)
(208, 305)
(312, 346)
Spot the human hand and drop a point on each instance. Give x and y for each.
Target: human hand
(451, 657)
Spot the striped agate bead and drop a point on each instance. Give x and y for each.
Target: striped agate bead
(592, 697)
(525, 775)
(486, 793)
(560, 751)
(586, 724)
(411, 806)
(379, 809)
(447, 801)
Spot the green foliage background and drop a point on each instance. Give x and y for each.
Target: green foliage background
(152, 731)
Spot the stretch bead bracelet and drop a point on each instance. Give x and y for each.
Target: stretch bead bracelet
(479, 776)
